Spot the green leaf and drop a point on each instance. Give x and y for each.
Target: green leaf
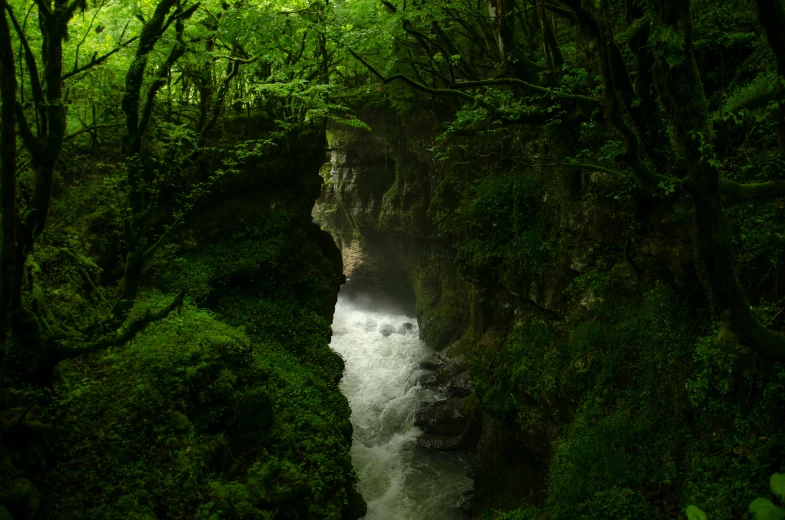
(764, 509)
(695, 513)
(777, 483)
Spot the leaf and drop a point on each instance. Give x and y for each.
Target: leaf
(764, 509)
(777, 483)
(695, 513)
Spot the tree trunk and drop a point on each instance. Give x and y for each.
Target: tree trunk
(7, 181)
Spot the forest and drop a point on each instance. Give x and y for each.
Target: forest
(584, 201)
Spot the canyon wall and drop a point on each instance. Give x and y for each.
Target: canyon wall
(566, 307)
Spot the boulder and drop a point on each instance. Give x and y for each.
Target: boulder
(445, 417)
(448, 425)
(433, 362)
(459, 385)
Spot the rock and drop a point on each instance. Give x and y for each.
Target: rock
(442, 417)
(433, 362)
(453, 367)
(428, 380)
(466, 501)
(356, 506)
(450, 376)
(459, 385)
(438, 443)
(386, 330)
(406, 328)
(502, 466)
(449, 425)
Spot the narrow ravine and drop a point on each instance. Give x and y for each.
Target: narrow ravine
(383, 354)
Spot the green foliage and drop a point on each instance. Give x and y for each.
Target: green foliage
(760, 508)
(229, 408)
(145, 421)
(617, 503)
(695, 513)
(759, 90)
(205, 400)
(530, 513)
(618, 370)
(735, 399)
(764, 509)
(524, 369)
(500, 236)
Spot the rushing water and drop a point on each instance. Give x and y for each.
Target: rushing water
(398, 480)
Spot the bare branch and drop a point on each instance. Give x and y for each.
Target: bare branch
(90, 128)
(97, 61)
(409, 81)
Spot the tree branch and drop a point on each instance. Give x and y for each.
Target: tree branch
(32, 68)
(121, 336)
(97, 61)
(752, 192)
(91, 127)
(771, 15)
(71, 9)
(409, 81)
(28, 138)
(575, 98)
(555, 8)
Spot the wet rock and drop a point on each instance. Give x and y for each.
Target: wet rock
(445, 417)
(452, 367)
(459, 385)
(428, 380)
(449, 425)
(386, 330)
(406, 328)
(356, 506)
(466, 501)
(433, 362)
(438, 443)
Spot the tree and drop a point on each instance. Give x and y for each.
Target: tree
(660, 38)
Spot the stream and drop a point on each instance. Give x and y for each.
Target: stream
(383, 354)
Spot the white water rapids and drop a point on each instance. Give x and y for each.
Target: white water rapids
(398, 480)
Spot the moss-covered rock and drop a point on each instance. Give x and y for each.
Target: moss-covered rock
(230, 406)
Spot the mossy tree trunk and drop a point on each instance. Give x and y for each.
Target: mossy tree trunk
(685, 107)
(7, 183)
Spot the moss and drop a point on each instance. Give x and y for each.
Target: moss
(441, 309)
(228, 408)
(220, 402)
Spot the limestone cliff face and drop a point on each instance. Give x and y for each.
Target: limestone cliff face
(375, 203)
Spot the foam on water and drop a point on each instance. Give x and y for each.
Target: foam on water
(398, 480)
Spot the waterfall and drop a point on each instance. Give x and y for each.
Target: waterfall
(398, 480)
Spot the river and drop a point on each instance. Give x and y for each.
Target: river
(383, 353)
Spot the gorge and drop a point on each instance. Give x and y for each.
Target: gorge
(333, 260)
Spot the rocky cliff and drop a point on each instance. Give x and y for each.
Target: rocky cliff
(576, 341)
